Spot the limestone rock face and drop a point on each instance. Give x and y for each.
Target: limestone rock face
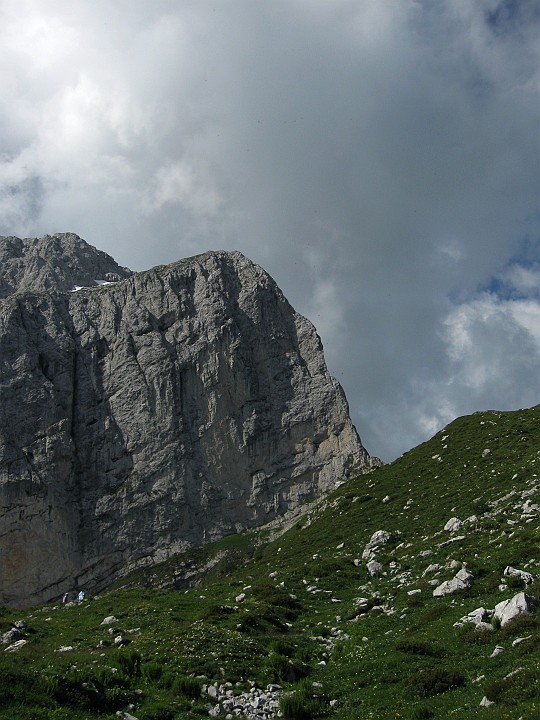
(152, 414)
(54, 263)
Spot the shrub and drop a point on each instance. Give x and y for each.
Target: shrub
(300, 705)
(188, 686)
(129, 662)
(434, 682)
(280, 668)
(281, 647)
(515, 582)
(157, 711)
(152, 671)
(523, 685)
(422, 713)
(480, 507)
(419, 647)
(522, 625)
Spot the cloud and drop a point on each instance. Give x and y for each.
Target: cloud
(380, 160)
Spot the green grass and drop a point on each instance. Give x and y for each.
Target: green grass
(299, 622)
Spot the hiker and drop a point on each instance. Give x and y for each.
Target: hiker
(81, 595)
(64, 598)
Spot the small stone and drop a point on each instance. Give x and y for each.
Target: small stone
(484, 702)
(374, 567)
(110, 620)
(16, 646)
(453, 525)
(498, 650)
(526, 577)
(520, 640)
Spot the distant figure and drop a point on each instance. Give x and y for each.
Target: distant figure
(64, 597)
(81, 595)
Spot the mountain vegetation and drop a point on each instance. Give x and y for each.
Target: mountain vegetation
(334, 616)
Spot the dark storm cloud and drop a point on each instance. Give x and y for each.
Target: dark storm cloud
(380, 160)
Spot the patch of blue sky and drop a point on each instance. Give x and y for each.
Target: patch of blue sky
(507, 16)
(518, 280)
(503, 18)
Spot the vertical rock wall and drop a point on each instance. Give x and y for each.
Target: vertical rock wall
(153, 414)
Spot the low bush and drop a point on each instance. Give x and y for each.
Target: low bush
(415, 646)
(152, 671)
(187, 686)
(422, 713)
(300, 705)
(523, 685)
(129, 662)
(436, 681)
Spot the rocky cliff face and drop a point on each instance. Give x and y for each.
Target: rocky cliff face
(160, 411)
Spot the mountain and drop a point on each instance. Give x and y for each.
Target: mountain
(54, 263)
(305, 621)
(146, 413)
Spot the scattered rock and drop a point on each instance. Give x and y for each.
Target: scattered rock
(510, 571)
(380, 537)
(520, 640)
(110, 620)
(462, 581)
(478, 616)
(16, 646)
(11, 636)
(453, 525)
(498, 650)
(374, 567)
(455, 539)
(520, 604)
(484, 702)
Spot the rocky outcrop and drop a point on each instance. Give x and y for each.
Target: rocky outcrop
(155, 413)
(54, 263)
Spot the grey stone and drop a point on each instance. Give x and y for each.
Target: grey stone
(109, 620)
(462, 581)
(125, 716)
(508, 610)
(151, 415)
(453, 525)
(480, 615)
(526, 577)
(16, 646)
(11, 636)
(374, 567)
(380, 537)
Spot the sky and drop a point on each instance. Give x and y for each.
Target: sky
(381, 160)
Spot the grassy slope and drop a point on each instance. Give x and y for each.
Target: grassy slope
(385, 663)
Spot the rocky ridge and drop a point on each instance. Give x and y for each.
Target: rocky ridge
(150, 412)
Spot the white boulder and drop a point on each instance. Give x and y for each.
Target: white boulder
(380, 537)
(508, 610)
(374, 567)
(461, 581)
(510, 571)
(453, 525)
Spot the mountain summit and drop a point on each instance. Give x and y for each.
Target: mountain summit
(145, 413)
